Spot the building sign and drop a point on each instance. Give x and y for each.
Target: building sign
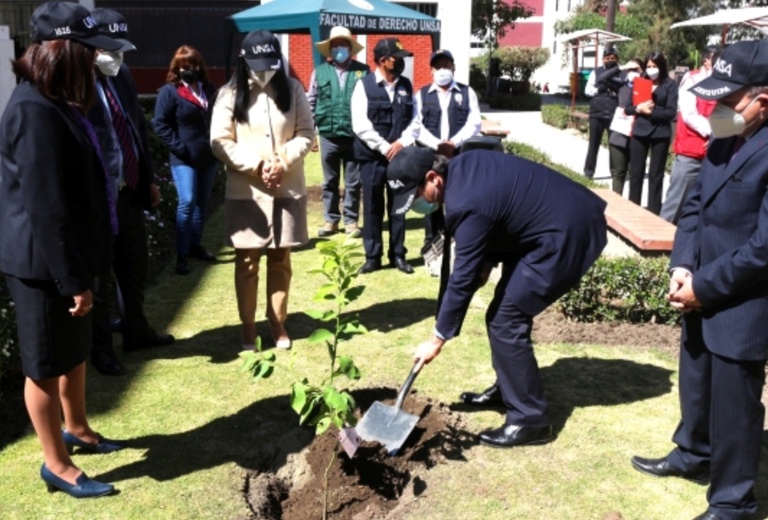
(383, 24)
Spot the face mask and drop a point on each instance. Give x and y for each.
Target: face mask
(108, 62)
(726, 122)
(652, 72)
(611, 64)
(262, 78)
(189, 76)
(421, 206)
(399, 66)
(631, 77)
(442, 77)
(340, 54)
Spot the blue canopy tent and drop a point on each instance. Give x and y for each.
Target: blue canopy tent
(317, 17)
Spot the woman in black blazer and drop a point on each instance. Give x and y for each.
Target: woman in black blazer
(183, 120)
(652, 132)
(54, 232)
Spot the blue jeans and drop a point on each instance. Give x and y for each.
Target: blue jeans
(194, 189)
(681, 180)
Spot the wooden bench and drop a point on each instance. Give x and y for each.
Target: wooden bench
(493, 128)
(649, 234)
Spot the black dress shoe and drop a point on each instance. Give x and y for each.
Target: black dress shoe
(402, 265)
(370, 266)
(182, 265)
(511, 435)
(158, 340)
(489, 397)
(201, 253)
(107, 363)
(662, 468)
(707, 515)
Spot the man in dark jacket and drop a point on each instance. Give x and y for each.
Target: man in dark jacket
(602, 106)
(330, 95)
(545, 231)
(382, 110)
(121, 129)
(720, 282)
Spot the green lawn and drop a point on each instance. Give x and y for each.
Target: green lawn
(193, 418)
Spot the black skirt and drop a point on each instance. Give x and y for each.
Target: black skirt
(52, 341)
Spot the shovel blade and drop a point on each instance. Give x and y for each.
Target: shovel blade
(386, 424)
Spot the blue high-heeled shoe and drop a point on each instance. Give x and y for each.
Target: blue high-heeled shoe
(83, 487)
(102, 446)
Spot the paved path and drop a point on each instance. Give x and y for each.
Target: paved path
(566, 147)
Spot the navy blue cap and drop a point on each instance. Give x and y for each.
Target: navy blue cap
(440, 53)
(69, 21)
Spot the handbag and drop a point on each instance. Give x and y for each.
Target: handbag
(622, 123)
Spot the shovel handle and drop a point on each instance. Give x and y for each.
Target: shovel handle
(407, 385)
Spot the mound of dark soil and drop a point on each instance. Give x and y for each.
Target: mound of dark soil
(372, 485)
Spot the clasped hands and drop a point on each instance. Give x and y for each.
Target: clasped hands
(645, 108)
(272, 172)
(681, 295)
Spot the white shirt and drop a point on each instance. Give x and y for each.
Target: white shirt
(363, 127)
(470, 128)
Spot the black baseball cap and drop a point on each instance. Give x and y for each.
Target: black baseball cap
(389, 47)
(111, 23)
(611, 51)
(741, 64)
(405, 173)
(440, 53)
(261, 50)
(68, 21)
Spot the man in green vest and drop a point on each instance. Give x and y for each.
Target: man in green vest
(330, 91)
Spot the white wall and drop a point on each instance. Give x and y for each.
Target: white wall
(455, 25)
(7, 79)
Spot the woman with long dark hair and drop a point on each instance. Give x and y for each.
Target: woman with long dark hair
(261, 130)
(652, 132)
(56, 217)
(182, 121)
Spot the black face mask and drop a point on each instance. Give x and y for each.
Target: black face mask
(611, 64)
(398, 67)
(190, 76)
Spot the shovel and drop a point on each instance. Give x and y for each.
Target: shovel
(389, 425)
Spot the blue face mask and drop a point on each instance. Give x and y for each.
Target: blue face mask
(340, 54)
(421, 206)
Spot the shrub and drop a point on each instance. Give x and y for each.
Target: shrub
(534, 154)
(520, 62)
(622, 289)
(556, 115)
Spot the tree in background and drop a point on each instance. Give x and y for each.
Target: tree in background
(648, 23)
(491, 19)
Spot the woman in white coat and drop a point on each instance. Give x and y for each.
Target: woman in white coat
(261, 129)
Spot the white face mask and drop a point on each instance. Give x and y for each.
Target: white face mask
(652, 72)
(442, 77)
(726, 122)
(632, 76)
(108, 62)
(262, 77)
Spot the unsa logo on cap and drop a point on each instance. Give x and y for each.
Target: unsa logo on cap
(89, 22)
(263, 48)
(396, 183)
(118, 27)
(723, 67)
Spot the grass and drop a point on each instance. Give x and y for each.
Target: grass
(193, 418)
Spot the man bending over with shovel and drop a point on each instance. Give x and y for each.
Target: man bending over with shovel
(543, 228)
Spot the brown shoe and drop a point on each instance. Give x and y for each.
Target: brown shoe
(352, 230)
(327, 230)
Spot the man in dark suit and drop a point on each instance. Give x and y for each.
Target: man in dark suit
(720, 281)
(545, 231)
(121, 128)
(602, 107)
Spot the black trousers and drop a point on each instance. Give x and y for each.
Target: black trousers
(434, 223)
(597, 127)
(374, 177)
(130, 262)
(638, 152)
(517, 371)
(722, 422)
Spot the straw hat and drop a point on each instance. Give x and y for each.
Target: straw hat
(338, 32)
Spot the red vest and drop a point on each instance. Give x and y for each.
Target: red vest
(688, 142)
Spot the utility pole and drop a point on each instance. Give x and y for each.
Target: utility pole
(610, 16)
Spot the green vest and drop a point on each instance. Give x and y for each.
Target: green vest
(333, 116)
